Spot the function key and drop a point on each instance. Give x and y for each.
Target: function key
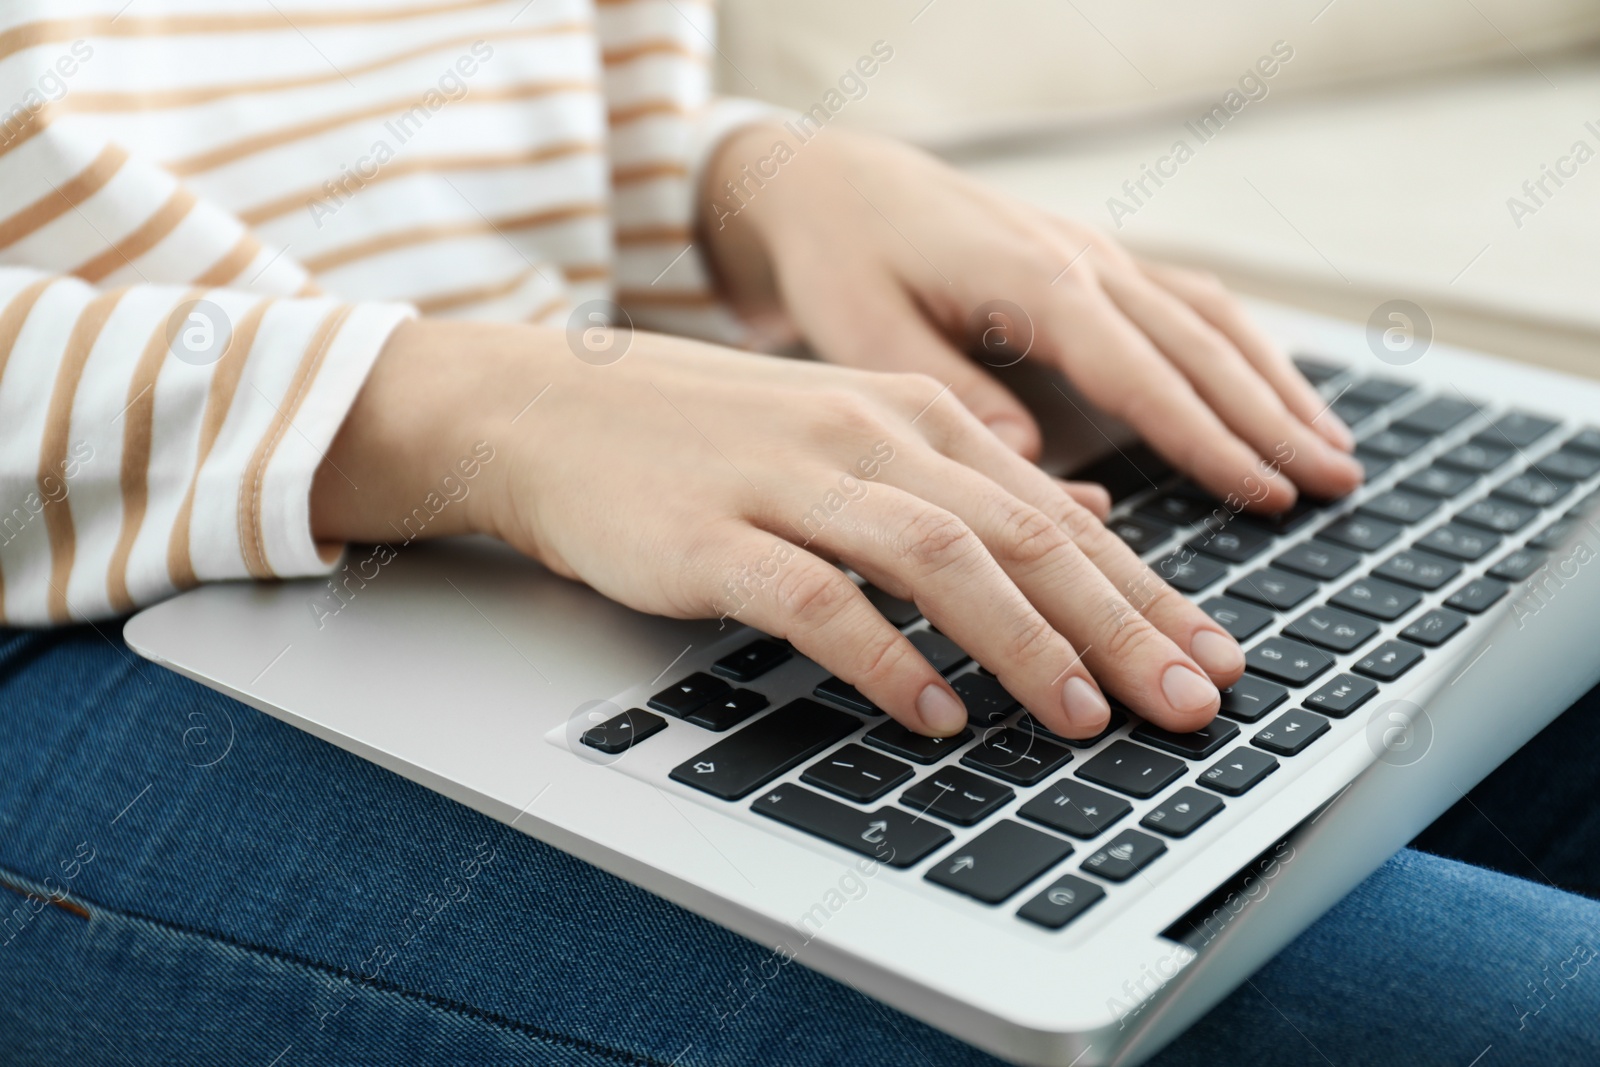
(1248, 699)
(857, 773)
(1113, 723)
(1586, 440)
(1076, 809)
(1478, 595)
(1395, 444)
(890, 835)
(1377, 598)
(1021, 757)
(986, 699)
(1437, 415)
(900, 612)
(1239, 771)
(1518, 429)
(1319, 372)
(1439, 481)
(957, 796)
(1477, 457)
(999, 861)
(1067, 898)
(1501, 516)
(1533, 489)
(1285, 660)
(621, 732)
(1137, 534)
(1317, 560)
(1182, 813)
(1131, 769)
(773, 744)
(1330, 628)
(1389, 660)
(1352, 412)
(1341, 695)
(1241, 620)
(1373, 465)
(1570, 464)
(1275, 589)
(895, 739)
(1421, 570)
(1434, 628)
(939, 650)
(686, 696)
(1519, 565)
(1359, 532)
(1402, 507)
(1380, 392)
(1125, 856)
(1196, 744)
(1291, 732)
(1176, 509)
(838, 691)
(727, 711)
(1188, 572)
(1236, 543)
(753, 660)
(1460, 542)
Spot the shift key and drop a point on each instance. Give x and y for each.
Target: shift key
(889, 834)
(768, 747)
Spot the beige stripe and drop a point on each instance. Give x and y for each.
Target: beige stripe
(444, 230)
(137, 428)
(546, 308)
(676, 298)
(643, 172)
(252, 540)
(35, 123)
(654, 235)
(623, 115)
(304, 198)
(433, 305)
(233, 261)
(53, 447)
(662, 47)
(64, 197)
(261, 142)
(141, 240)
(11, 323)
(310, 288)
(587, 272)
(219, 398)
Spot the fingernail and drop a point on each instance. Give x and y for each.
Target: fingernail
(1012, 434)
(1217, 653)
(1186, 690)
(1086, 708)
(940, 709)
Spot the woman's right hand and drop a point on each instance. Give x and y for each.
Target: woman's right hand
(693, 481)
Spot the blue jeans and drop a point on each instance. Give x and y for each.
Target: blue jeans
(188, 881)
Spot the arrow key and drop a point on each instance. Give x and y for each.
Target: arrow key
(1291, 732)
(999, 861)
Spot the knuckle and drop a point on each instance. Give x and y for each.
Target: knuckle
(1031, 536)
(1128, 633)
(934, 539)
(882, 657)
(1033, 640)
(809, 596)
(849, 412)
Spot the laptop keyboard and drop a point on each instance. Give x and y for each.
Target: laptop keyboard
(1327, 599)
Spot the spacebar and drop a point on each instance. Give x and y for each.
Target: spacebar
(765, 749)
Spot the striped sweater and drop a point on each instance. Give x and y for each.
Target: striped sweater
(213, 213)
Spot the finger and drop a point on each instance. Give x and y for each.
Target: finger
(912, 548)
(1233, 388)
(813, 606)
(1222, 310)
(1089, 495)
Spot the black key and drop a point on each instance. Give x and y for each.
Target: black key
(1477, 457)
(773, 744)
(729, 710)
(1275, 589)
(1395, 444)
(1074, 808)
(1460, 542)
(900, 612)
(1176, 509)
(1372, 464)
(1188, 572)
(1182, 813)
(999, 861)
(1018, 756)
(1439, 481)
(753, 660)
(1554, 535)
(1235, 616)
(1303, 510)
(1379, 392)
(1501, 516)
(1126, 471)
(1421, 570)
(1197, 744)
(1291, 732)
(1359, 532)
(892, 836)
(857, 773)
(1237, 543)
(1519, 429)
(1586, 505)
(1248, 699)
(1124, 856)
(1478, 595)
(1533, 489)
(1378, 598)
(897, 740)
(1113, 723)
(1288, 661)
(1570, 464)
(621, 732)
(1319, 372)
(986, 699)
(1390, 660)
(1437, 415)
(1352, 411)
(1137, 534)
(1519, 565)
(1402, 507)
(939, 650)
(1067, 898)
(1434, 628)
(1317, 560)
(1586, 440)
(1341, 695)
(1239, 771)
(957, 796)
(845, 695)
(1332, 629)
(685, 696)
(1133, 770)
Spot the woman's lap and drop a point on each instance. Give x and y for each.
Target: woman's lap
(256, 893)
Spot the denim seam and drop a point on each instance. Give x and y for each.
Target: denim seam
(432, 1000)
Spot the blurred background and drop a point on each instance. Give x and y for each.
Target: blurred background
(1441, 151)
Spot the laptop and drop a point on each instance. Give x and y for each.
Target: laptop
(1052, 901)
